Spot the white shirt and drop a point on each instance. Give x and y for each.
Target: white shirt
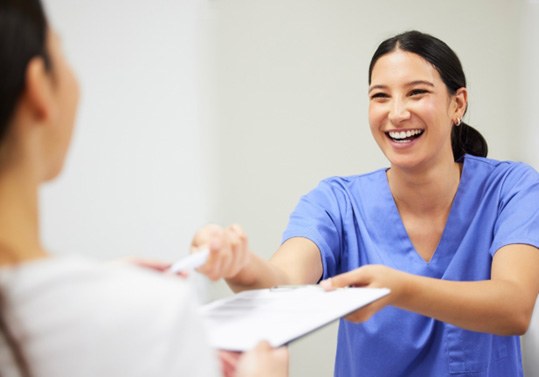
(76, 318)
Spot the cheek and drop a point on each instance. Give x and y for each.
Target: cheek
(75, 94)
(432, 112)
(71, 94)
(376, 117)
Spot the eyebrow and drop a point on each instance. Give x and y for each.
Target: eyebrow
(412, 83)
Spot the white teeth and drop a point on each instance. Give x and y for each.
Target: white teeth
(398, 135)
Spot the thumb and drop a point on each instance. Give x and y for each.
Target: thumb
(347, 279)
(215, 244)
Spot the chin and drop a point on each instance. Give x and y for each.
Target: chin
(405, 162)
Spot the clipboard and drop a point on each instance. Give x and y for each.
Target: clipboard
(279, 315)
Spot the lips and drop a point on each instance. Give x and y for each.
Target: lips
(404, 136)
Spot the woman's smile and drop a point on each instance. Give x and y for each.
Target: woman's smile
(404, 136)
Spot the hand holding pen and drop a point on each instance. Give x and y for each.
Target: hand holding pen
(227, 250)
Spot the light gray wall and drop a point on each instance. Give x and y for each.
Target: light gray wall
(291, 103)
(529, 140)
(174, 132)
(528, 94)
(135, 182)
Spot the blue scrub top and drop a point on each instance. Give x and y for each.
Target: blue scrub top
(354, 221)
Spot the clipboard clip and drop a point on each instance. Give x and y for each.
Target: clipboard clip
(291, 287)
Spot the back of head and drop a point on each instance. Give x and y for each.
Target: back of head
(23, 29)
(464, 138)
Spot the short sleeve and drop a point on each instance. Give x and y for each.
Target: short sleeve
(518, 211)
(318, 218)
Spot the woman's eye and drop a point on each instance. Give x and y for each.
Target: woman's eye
(379, 95)
(418, 92)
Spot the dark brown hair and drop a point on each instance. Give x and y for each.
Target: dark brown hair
(23, 30)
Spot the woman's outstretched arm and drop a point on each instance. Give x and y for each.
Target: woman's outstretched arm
(502, 305)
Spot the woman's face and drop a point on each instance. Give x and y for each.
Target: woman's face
(65, 93)
(411, 112)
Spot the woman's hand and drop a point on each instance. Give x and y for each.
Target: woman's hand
(229, 362)
(370, 276)
(263, 361)
(228, 250)
(151, 264)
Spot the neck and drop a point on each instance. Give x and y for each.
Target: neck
(19, 229)
(427, 191)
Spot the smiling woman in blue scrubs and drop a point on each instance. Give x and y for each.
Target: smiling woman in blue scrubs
(453, 234)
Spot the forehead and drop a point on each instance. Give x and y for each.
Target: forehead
(400, 67)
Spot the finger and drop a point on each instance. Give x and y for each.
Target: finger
(229, 256)
(229, 362)
(200, 238)
(212, 267)
(203, 236)
(230, 359)
(239, 247)
(182, 274)
(361, 315)
(151, 264)
(327, 285)
(239, 232)
(263, 346)
(281, 354)
(353, 278)
(367, 312)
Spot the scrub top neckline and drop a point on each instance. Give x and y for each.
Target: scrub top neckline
(443, 246)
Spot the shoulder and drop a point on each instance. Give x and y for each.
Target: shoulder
(339, 191)
(353, 182)
(501, 166)
(507, 174)
(75, 290)
(105, 317)
(67, 277)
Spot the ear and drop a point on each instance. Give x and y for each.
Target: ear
(38, 92)
(460, 102)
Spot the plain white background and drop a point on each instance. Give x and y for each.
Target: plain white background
(197, 111)
(135, 179)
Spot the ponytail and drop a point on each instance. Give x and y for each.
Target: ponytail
(467, 140)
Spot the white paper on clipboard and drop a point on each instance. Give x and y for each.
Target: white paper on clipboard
(279, 315)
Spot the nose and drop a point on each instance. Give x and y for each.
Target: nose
(398, 111)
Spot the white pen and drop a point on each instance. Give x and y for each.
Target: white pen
(190, 262)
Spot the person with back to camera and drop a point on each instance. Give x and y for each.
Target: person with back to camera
(68, 316)
(453, 234)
